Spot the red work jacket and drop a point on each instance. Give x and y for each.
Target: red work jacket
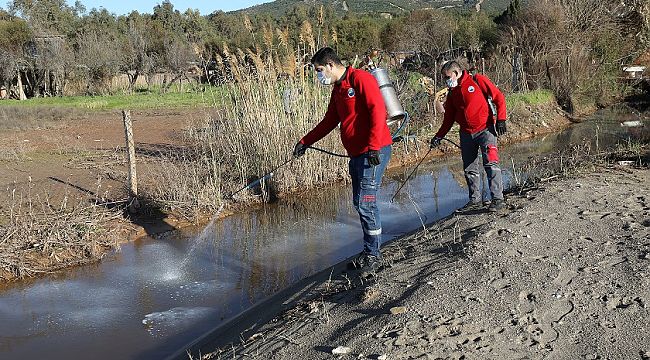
(360, 110)
(467, 105)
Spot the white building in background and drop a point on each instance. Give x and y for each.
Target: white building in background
(634, 71)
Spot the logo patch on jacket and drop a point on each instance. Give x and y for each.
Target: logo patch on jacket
(350, 92)
(470, 89)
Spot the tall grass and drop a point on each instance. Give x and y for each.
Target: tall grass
(259, 116)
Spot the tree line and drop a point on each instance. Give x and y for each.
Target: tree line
(49, 48)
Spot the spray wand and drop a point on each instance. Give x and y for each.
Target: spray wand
(416, 167)
(268, 175)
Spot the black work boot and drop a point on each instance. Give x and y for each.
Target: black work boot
(496, 205)
(365, 262)
(471, 207)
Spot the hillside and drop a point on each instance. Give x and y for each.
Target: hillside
(395, 7)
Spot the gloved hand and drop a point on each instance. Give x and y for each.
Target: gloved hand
(435, 142)
(299, 150)
(373, 157)
(501, 127)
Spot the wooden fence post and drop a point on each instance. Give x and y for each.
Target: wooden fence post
(134, 204)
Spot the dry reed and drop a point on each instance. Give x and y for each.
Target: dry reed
(259, 115)
(39, 235)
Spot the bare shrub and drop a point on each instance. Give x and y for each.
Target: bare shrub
(537, 169)
(38, 235)
(578, 159)
(572, 47)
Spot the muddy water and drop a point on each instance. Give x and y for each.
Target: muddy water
(156, 295)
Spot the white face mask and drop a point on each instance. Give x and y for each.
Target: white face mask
(323, 79)
(452, 83)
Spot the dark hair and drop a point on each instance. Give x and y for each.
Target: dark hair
(324, 56)
(451, 66)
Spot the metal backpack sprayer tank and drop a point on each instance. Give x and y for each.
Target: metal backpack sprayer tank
(393, 106)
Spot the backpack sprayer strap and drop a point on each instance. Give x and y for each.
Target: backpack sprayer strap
(492, 107)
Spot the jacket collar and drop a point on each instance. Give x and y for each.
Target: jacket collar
(345, 76)
(464, 76)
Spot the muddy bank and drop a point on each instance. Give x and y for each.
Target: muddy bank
(563, 272)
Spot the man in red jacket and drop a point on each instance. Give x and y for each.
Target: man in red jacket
(357, 105)
(468, 104)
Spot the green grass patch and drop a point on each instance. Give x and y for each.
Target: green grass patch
(137, 100)
(535, 97)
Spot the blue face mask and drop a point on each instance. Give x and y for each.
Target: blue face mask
(451, 83)
(323, 79)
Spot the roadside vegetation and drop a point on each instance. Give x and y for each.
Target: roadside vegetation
(582, 158)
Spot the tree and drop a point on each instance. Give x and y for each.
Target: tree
(475, 31)
(52, 59)
(170, 19)
(48, 16)
(179, 57)
(425, 31)
(138, 53)
(98, 57)
(357, 35)
(14, 36)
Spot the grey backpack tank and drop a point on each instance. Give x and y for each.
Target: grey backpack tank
(393, 106)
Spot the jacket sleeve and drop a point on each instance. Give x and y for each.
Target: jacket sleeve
(370, 94)
(325, 126)
(497, 96)
(448, 120)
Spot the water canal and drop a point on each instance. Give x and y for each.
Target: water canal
(155, 295)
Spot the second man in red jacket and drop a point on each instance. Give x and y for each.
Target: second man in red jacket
(467, 104)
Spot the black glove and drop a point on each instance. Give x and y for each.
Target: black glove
(299, 150)
(501, 127)
(435, 142)
(373, 157)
